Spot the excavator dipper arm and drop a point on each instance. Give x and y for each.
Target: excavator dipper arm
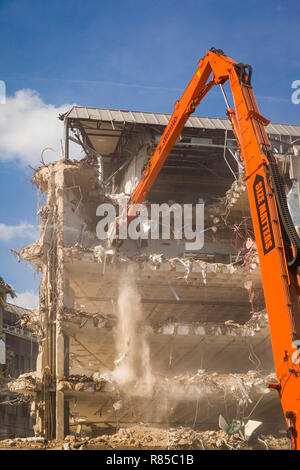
(276, 238)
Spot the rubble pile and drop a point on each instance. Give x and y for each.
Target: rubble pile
(141, 437)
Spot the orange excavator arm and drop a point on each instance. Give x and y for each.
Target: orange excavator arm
(276, 238)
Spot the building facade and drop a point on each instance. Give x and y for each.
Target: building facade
(21, 350)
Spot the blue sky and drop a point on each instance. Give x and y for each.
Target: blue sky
(125, 55)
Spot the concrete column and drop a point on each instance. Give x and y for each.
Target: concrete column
(66, 371)
(60, 411)
(61, 345)
(62, 369)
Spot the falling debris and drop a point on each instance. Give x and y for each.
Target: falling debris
(250, 427)
(133, 371)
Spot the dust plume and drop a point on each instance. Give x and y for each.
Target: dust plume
(133, 371)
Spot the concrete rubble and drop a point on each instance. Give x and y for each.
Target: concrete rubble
(145, 437)
(26, 384)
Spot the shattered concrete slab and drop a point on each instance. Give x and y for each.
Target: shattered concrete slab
(78, 383)
(26, 384)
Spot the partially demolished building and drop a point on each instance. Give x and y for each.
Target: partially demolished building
(147, 331)
(21, 350)
(18, 352)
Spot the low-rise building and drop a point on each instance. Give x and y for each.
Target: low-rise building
(19, 353)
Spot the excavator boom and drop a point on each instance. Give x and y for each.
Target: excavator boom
(277, 241)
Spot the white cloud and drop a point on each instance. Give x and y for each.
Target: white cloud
(26, 299)
(23, 230)
(27, 126)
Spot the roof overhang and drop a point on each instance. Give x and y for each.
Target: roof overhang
(103, 128)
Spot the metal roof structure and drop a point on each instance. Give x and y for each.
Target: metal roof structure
(137, 117)
(16, 309)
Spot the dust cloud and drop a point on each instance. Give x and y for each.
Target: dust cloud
(133, 372)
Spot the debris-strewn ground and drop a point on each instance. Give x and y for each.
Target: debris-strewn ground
(142, 437)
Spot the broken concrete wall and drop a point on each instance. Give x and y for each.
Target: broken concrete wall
(140, 148)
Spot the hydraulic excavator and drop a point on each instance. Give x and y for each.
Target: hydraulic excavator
(276, 238)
